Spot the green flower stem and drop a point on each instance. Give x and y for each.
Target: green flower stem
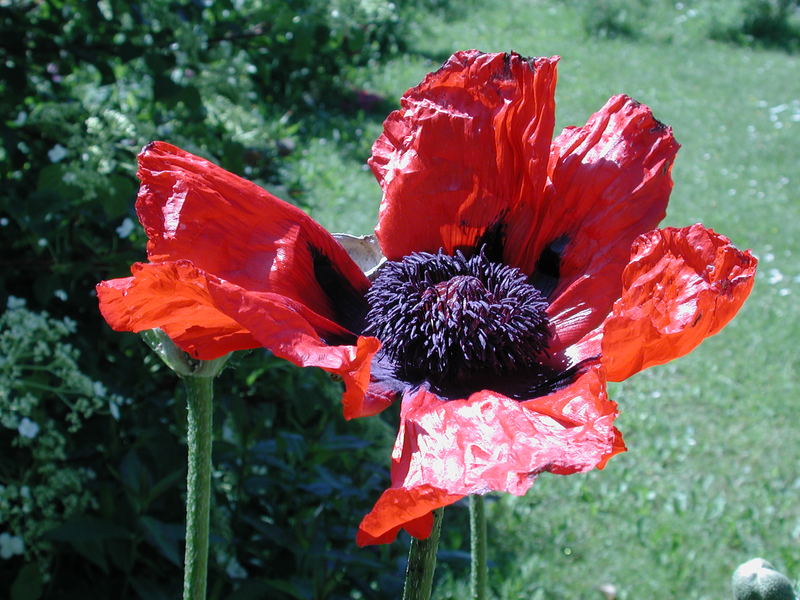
(422, 562)
(477, 526)
(198, 377)
(199, 394)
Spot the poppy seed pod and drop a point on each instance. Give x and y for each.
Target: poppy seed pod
(758, 580)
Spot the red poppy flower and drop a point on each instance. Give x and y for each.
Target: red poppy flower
(522, 273)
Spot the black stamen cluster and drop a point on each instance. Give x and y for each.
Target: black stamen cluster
(448, 318)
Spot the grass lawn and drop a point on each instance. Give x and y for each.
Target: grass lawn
(711, 477)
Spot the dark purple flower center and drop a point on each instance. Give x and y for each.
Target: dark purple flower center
(449, 319)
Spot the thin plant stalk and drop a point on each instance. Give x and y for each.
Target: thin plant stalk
(198, 378)
(477, 525)
(422, 562)
(199, 395)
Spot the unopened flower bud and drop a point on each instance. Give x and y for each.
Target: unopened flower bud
(177, 360)
(758, 580)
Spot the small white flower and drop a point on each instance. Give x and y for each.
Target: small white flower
(28, 428)
(228, 434)
(10, 545)
(235, 570)
(13, 302)
(57, 153)
(125, 228)
(774, 276)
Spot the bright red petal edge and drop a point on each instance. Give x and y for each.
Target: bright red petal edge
(446, 450)
(680, 287)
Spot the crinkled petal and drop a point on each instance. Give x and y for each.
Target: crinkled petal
(681, 286)
(409, 509)
(609, 182)
(173, 297)
(469, 143)
(194, 210)
(449, 449)
(207, 317)
(289, 337)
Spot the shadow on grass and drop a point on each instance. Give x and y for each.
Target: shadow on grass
(765, 24)
(344, 118)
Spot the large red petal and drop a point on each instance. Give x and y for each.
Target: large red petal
(448, 449)
(208, 317)
(469, 143)
(292, 332)
(174, 297)
(194, 210)
(409, 509)
(609, 182)
(681, 286)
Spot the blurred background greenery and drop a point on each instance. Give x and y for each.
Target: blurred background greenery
(291, 94)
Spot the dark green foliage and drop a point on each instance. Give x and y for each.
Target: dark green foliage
(291, 482)
(46, 404)
(85, 85)
(296, 478)
(770, 23)
(765, 23)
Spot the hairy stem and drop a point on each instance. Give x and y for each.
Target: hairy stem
(199, 394)
(477, 526)
(422, 562)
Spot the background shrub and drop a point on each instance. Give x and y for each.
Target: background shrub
(771, 23)
(766, 23)
(91, 497)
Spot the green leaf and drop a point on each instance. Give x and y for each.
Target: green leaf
(164, 536)
(92, 550)
(251, 590)
(147, 590)
(165, 484)
(51, 182)
(341, 443)
(119, 195)
(86, 536)
(135, 475)
(287, 588)
(28, 584)
(190, 96)
(84, 529)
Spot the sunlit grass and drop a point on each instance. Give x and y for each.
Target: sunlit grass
(711, 477)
